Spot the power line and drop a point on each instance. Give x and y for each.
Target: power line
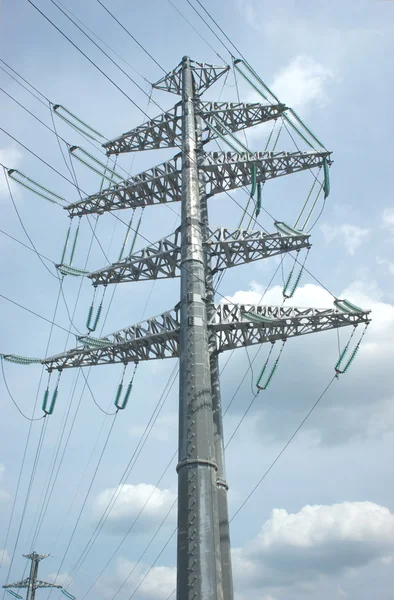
(283, 450)
(130, 35)
(144, 437)
(86, 497)
(87, 57)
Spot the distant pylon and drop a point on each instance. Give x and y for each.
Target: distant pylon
(32, 582)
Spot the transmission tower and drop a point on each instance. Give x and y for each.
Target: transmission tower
(32, 582)
(196, 331)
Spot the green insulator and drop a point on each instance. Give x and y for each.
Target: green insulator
(74, 242)
(258, 203)
(45, 400)
(351, 359)
(65, 245)
(90, 314)
(270, 376)
(118, 395)
(98, 314)
(122, 405)
(326, 184)
(254, 184)
(341, 358)
(263, 370)
(53, 402)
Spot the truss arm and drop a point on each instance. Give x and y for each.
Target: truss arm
(165, 130)
(19, 584)
(159, 337)
(223, 171)
(228, 248)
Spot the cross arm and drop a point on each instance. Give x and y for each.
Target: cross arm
(235, 326)
(19, 584)
(223, 171)
(45, 584)
(165, 131)
(228, 248)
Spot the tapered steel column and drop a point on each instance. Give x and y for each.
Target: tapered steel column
(199, 565)
(222, 487)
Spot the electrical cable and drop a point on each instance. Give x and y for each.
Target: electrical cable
(144, 437)
(27, 247)
(282, 451)
(130, 35)
(85, 499)
(130, 529)
(195, 29)
(87, 57)
(12, 398)
(102, 41)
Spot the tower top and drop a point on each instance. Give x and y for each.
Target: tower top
(204, 75)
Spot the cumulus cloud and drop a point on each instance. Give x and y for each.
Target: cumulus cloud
(388, 219)
(132, 501)
(317, 541)
(159, 583)
(302, 82)
(358, 406)
(350, 236)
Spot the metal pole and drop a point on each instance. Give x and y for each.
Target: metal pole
(31, 590)
(222, 487)
(199, 566)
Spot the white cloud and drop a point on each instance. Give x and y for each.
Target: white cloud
(359, 407)
(159, 583)
(4, 558)
(4, 496)
(153, 504)
(11, 158)
(302, 82)
(317, 541)
(350, 235)
(388, 219)
(60, 579)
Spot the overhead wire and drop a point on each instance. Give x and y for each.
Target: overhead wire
(246, 500)
(143, 439)
(85, 499)
(130, 35)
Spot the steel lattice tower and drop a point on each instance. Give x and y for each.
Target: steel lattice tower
(32, 582)
(197, 330)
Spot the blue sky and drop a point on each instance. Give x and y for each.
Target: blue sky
(322, 522)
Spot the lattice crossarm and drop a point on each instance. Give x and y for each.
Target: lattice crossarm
(228, 170)
(235, 327)
(154, 186)
(45, 584)
(157, 261)
(19, 584)
(233, 247)
(228, 248)
(223, 171)
(163, 131)
(235, 116)
(155, 338)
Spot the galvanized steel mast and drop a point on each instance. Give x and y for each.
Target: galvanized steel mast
(199, 570)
